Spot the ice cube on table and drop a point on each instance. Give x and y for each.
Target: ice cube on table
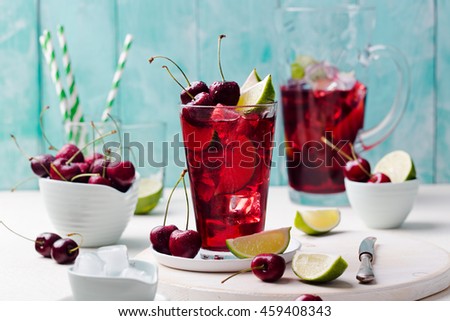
(115, 258)
(89, 264)
(134, 273)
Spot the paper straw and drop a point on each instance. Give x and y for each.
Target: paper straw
(49, 55)
(75, 109)
(117, 75)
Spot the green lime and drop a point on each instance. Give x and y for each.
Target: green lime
(299, 66)
(318, 268)
(262, 92)
(316, 222)
(251, 80)
(397, 165)
(271, 241)
(149, 193)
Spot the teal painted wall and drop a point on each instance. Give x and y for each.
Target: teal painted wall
(187, 32)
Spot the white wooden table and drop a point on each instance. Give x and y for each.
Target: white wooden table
(24, 275)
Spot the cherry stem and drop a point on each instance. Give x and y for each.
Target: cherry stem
(171, 193)
(259, 267)
(173, 77)
(57, 172)
(30, 158)
(93, 135)
(13, 189)
(176, 65)
(326, 141)
(187, 203)
(89, 143)
(84, 175)
(41, 125)
(118, 133)
(218, 56)
(24, 237)
(79, 245)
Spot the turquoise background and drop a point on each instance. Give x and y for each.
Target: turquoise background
(187, 32)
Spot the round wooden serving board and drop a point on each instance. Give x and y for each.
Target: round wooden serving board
(405, 269)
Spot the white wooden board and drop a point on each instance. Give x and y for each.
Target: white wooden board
(405, 269)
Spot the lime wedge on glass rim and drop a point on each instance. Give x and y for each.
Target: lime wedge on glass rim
(397, 165)
(318, 268)
(271, 241)
(299, 66)
(317, 222)
(262, 92)
(251, 80)
(149, 193)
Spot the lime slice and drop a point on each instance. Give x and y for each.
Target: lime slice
(272, 241)
(149, 193)
(397, 165)
(299, 65)
(318, 268)
(317, 222)
(252, 79)
(261, 93)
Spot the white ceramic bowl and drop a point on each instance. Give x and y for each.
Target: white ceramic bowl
(382, 206)
(107, 288)
(99, 213)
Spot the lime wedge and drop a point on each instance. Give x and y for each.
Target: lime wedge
(262, 92)
(271, 241)
(299, 65)
(252, 79)
(317, 222)
(318, 268)
(397, 165)
(149, 193)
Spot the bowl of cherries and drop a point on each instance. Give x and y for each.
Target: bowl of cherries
(94, 195)
(384, 197)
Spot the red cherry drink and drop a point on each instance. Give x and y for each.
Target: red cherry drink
(228, 152)
(309, 115)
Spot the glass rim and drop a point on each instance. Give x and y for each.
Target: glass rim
(268, 105)
(341, 8)
(153, 123)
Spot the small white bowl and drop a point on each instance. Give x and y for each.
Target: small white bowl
(108, 288)
(99, 213)
(382, 206)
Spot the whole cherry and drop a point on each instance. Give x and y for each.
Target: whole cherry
(64, 251)
(379, 178)
(159, 238)
(357, 170)
(99, 180)
(185, 243)
(91, 158)
(68, 151)
(40, 164)
(61, 170)
(121, 173)
(44, 242)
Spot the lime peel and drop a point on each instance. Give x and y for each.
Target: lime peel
(272, 241)
(149, 193)
(262, 92)
(397, 165)
(318, 268)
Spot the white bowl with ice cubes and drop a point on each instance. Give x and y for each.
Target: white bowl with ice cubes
(108, 275)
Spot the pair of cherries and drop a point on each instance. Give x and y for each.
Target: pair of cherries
(198, 93)
(168, 239)
(51, 245)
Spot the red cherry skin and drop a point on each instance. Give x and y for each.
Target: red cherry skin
(40, 164)
(268, 267)
(379, 178)
(201, 99)
(308, 297)
(159, 238)
(44, 243)
(98, 166)
(91, 158)
(195, 88)
(68, 150)
(63, 251)
(60, 168)
(225, 92)
(98, 180)
(185, 243)
(121, 173)
(353, 171)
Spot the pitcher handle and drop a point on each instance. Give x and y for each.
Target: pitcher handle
(369, 138)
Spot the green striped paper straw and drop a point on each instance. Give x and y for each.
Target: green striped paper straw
(117, 75)
(49, 55)
(75, 109)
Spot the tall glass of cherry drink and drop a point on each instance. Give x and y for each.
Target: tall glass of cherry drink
(228, 153)
(323, 68)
